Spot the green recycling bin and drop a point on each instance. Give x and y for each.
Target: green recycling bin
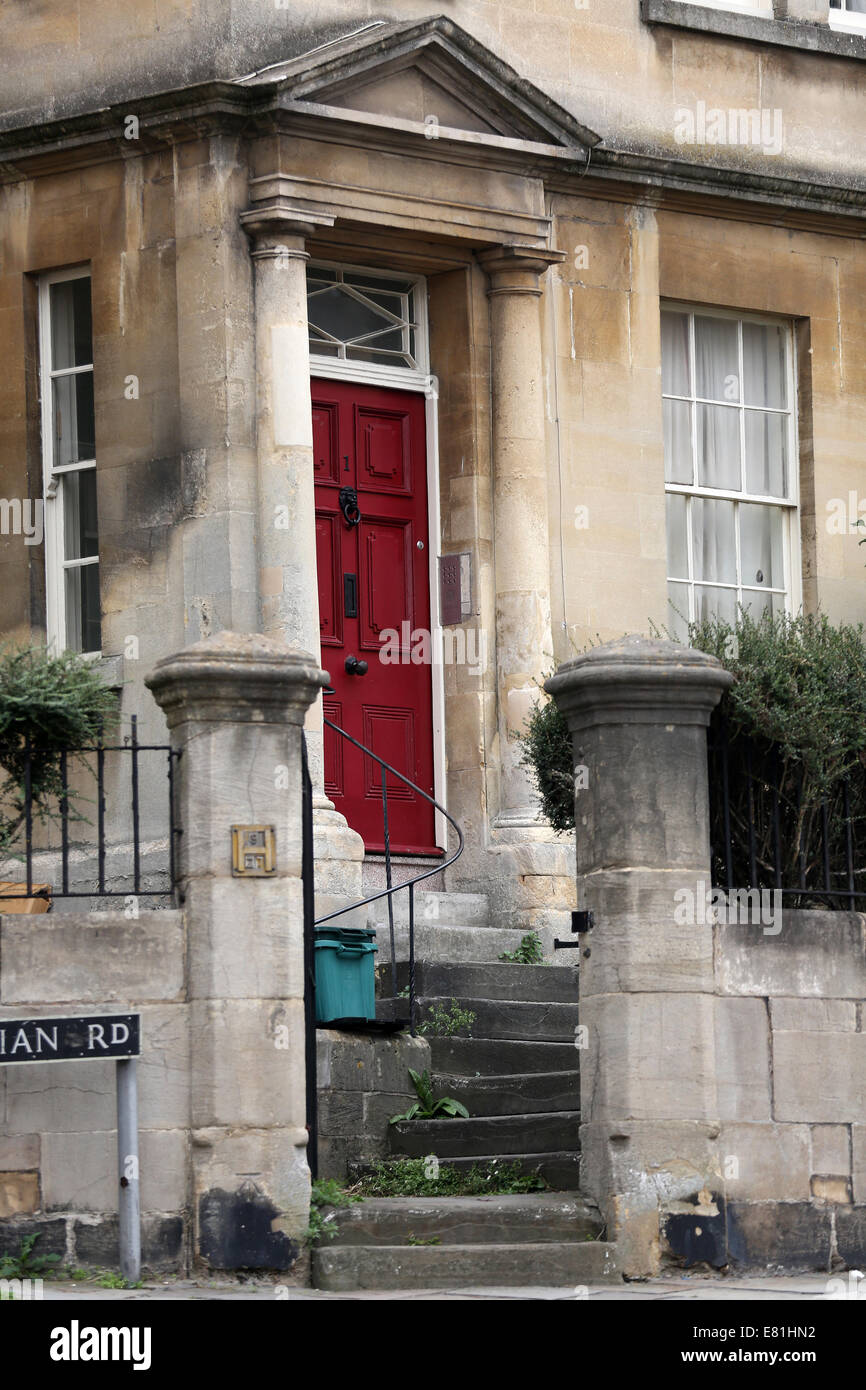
(345, 973)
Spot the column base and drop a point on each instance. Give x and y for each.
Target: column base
(243, 1221)
(338, 852)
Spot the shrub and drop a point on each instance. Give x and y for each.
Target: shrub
(49, 705)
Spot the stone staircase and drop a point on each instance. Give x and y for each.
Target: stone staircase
(517, 1074)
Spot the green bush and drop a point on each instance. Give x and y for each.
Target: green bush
(51, 705)
(795, 724)
(546, 751)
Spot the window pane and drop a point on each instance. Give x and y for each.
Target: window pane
(83, 632)
(342, 315)
(678, 561)
(766, 453)
(715, 603)
(392, 339)
(761, 546)
(714, 553)
(718, 432)
(716, 362)
(79, 512)
(323, 348)
(678, 442)
(675, 354)
(71, 330)
(678, 612)
(764, 365)
(73, 419)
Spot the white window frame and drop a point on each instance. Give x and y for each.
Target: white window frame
(380, 373)
(789, 506)
(56, 563)
(846, 21)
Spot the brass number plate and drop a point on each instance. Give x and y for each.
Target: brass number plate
(254, 851)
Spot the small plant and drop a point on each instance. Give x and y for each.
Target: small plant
(26, 1265)
(442, 1022)
(408, 1177)
(412, 1239)
(529, 952)
(110, 1279)
(427, 1107)
(326, 1193)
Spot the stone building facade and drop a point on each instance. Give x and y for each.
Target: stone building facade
(531, 190)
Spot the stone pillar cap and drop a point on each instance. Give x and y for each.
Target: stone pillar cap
(639, 680)
(236, 676)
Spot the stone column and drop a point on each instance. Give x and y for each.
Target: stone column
(288, 587)
(521, 535)
(235, 707)
(637, 710)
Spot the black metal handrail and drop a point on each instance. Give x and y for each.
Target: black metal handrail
(67, 812)
(408, 884)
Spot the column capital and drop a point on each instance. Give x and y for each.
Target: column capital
(518, 269)
(278, 228)
(638, 680)
(238, 678)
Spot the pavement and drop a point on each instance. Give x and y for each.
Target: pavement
(672, 1288)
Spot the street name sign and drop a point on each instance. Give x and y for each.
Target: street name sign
(94, 1037)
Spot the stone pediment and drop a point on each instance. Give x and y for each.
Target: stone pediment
(431, 71)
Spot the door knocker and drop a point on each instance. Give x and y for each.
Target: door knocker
(349, 506)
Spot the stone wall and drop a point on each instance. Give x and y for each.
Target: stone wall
(58, 1144)
(791, 1077)
(363, 1081)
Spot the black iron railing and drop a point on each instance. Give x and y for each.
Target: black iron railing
(81, 798)
(408, 884)
(777, 827)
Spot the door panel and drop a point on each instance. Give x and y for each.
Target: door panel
(374, 576)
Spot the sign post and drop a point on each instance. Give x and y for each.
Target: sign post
(101, 1037)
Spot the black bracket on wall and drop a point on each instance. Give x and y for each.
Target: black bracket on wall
(581, 921)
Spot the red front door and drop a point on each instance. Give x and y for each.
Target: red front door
(374, 605)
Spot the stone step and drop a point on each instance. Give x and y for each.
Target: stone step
(521, 1094)
(495, 1057)
(445, 909)
(437, 943)
(511, 1019)
(561, 1171)
(556, 1264)
(471, 980)
(495, 1220)
(487, 1134)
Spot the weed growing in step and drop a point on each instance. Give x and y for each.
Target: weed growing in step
(529, 952)
(427, 1107)
(442, 1022)
(412, 1239)
(406, 1177)
(326, 1193)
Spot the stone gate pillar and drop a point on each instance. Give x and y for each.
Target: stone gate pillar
(637, 710)
(235, 707)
